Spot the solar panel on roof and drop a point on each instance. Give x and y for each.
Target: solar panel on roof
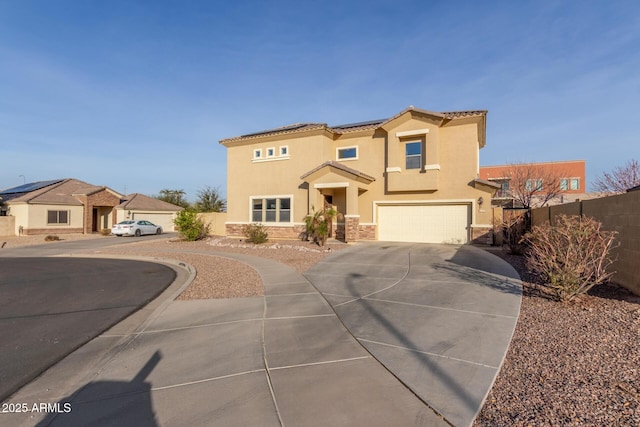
(359, 124)
(285, 128)
(32, 186)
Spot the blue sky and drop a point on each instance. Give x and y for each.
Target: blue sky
(135, 95)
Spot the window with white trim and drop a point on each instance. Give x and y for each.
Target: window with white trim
(413, 155)
(569, 184)
(284, 150)
(347, 153)
(257, 153)
(271, 209)
(57, 217)
(271, 152)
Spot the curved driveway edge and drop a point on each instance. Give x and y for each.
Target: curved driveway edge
(439, 317)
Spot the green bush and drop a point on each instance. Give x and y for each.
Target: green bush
(189, 226)
(317, 225)
(255, 233)
(572, 256)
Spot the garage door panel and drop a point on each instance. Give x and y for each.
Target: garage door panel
(424, 223)
(163, 220)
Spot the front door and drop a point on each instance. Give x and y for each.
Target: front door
(94, 220)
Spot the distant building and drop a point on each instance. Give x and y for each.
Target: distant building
(572, 184)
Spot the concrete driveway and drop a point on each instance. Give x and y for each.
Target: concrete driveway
(439, 317)
(376, 335)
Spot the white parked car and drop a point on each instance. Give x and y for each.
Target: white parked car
(135, 228)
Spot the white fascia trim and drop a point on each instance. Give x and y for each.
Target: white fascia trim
(412, 133)
(394, 169)
(471, 202)
(331, 185)
(435, 167)
(270, 159)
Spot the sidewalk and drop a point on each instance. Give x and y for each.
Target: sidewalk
(285, 358)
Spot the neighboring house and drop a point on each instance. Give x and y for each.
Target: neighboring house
(60, 206)
(572, 175)
(66, 206)
(139, 206)
(412, 177)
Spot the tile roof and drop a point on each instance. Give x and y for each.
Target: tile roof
(140, 202)
(341, 167)
(351, 127)
(58, 192)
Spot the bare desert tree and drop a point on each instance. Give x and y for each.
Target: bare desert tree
(619, 180)
(534, 185)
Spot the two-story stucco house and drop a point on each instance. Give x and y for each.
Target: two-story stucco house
(411, 178)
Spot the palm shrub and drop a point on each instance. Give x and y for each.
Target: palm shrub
(189, 226)
(572, 256)
(255, 233)
(317, 224)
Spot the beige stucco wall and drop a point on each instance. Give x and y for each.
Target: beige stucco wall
(7, 226)
(619, 213)
(216, 221)
(33, 218)
(452, 151)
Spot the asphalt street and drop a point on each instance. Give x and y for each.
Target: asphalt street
(51, 306)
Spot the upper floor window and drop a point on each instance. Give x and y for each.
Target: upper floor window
(271, 154)
(347, 153)
(413, 154)
(532, 184)
(569, 184)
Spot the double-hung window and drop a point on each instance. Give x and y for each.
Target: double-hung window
(413, 155)
(271, 209)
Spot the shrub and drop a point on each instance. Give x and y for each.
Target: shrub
(317, 225)
(105, 232)
(572, 256)
(513, 231)
(51, 238)
(189, 226)
(255, 233)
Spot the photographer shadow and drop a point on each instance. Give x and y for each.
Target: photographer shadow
(106, 403)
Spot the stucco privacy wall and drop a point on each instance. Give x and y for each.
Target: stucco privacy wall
(619, 213)
(7, 225)
(216, 221)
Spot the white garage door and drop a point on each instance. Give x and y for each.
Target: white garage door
(164, 220)
(424, 223)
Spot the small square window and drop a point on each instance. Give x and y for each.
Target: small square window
(347, 153)
(257, 153)
(271, 152)
(284, 151)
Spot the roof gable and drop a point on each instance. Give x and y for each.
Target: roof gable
(57, 192)
(140, 202)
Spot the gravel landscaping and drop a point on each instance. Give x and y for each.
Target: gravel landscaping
(219, 277)
(569, 364)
